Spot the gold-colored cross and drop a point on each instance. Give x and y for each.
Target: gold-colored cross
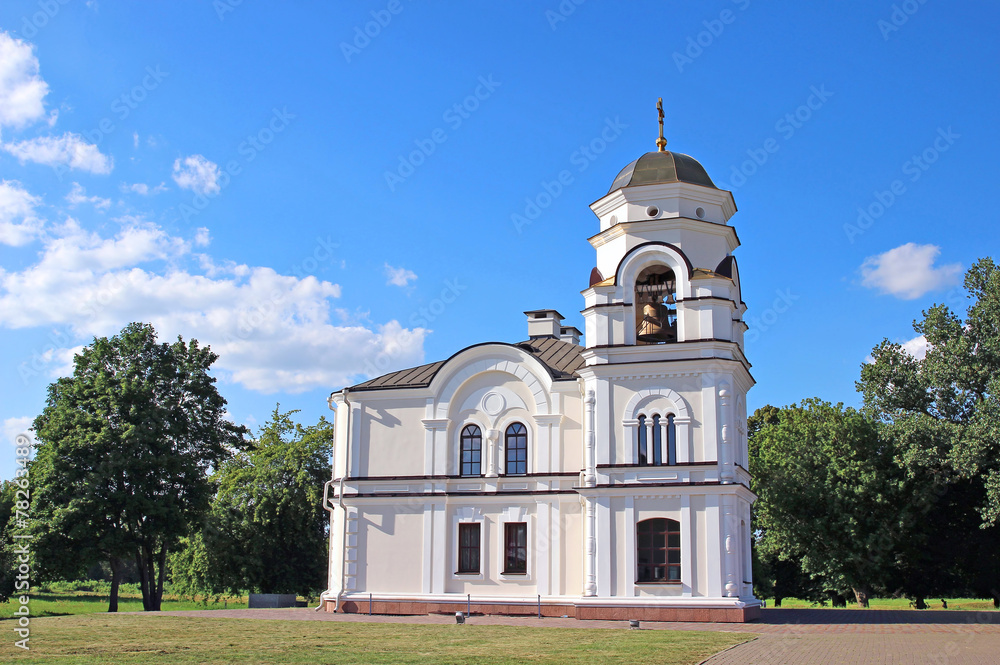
(661, 142)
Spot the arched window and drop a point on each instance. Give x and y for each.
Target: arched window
(671, 440)
(472, 451)
(641, 435)
(658, 550)
(657, 442)
(655, 305)
(516, 445)
(650, 450)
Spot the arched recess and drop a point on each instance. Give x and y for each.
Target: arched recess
(495, 358)
(663, 322)
(644, 399)
(661, 401)
(651, 254)
(728, 268)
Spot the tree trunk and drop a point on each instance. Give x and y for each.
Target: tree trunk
(861, 595)
(996, 600)
(144, 564)
(919, 603)
(116, 578)
(777, 601)
(161, 575)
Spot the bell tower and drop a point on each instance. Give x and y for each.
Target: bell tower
(666, 370)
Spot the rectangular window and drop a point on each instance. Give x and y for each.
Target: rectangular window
(515, 546)
(658, 551)
(468, 547)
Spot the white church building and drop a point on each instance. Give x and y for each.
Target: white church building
(598, 478)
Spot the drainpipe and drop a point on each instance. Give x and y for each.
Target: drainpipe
(340, 496)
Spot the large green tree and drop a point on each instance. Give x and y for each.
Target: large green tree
(943, 414)
(267, 531)
(8, 525)
(124, 449)
(831, 499)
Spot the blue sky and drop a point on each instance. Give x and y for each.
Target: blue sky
(324, 191)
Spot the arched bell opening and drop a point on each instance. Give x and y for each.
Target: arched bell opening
(656, 306)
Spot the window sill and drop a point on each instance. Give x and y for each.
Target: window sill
(470, 575)
(524, 574)
(661, 583)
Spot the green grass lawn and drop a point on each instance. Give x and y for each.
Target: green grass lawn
(118, 639)
(46, 604)
(967, 604)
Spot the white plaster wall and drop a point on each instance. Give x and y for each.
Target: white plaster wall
(392, 437)
(385, 534)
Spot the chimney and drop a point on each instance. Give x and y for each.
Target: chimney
(570, 334)
(544, 323)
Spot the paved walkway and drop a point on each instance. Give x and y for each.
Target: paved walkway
(792, 637)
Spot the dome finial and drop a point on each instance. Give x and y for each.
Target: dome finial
(661, 142)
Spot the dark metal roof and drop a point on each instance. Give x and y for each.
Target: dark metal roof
(660, 167)
(562, 359)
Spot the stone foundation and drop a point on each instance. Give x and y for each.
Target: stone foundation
(583, 612)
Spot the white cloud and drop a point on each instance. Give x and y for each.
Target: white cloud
(18, 223)
(66, 151)
(12, 427)
(22, 90)
(135, 139)
(198, 174)
(399, 276)
(202, 237)
(908, 271)
(272, 332)
(143, 189)
(77, 195)
(916, 347)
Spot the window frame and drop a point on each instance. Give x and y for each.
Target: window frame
(475, 548)
(654, 453)
(476, 453)
(642, 442)
(659, 530)
(507, 437)
(517, 547)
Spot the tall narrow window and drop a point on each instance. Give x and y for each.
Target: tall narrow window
(642, 441)
(657, 452)
(515, 547)
(658, 550)
(472, 450)
(468, 547)
(516, 445)
(671, 440)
